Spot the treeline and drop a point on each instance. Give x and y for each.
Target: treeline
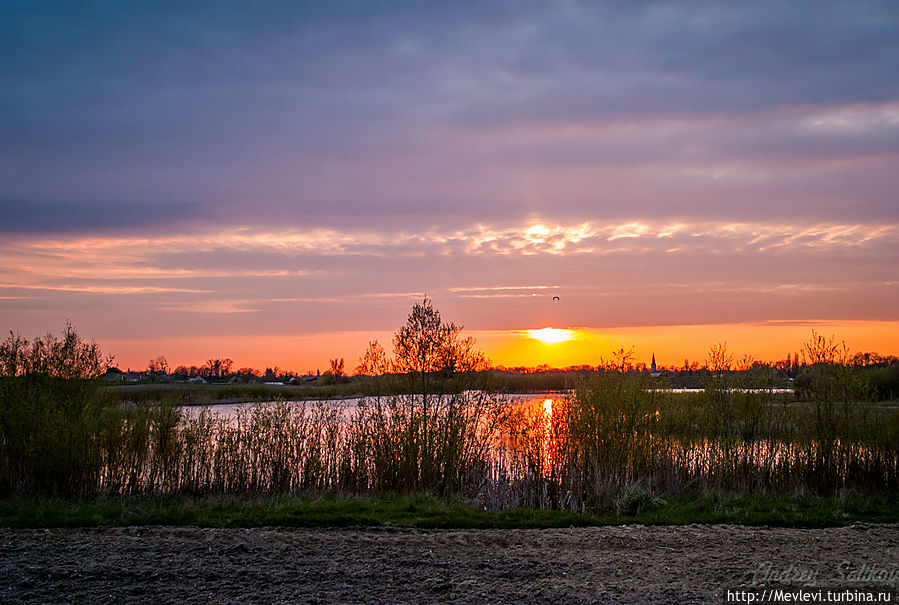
(870, 383)
(222, 369)
(218, 369)
(870, 376)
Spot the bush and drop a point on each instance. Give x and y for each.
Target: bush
(51, 430)
(636, 499)
(53, 415)
(65, 357)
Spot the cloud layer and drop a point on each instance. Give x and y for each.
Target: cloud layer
(233, 169)
(148, 116)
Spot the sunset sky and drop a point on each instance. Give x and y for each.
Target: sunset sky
(279, 182)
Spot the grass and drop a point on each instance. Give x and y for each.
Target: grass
(427, 511)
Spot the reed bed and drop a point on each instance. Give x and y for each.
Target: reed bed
(618, 443)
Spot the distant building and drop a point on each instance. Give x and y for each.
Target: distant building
(114, 375)
(652, 368)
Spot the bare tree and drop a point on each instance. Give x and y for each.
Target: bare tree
(216, 368)
(719, 360)
(337, 366)
(13, 355)
(374, 361)
(158, 366)
(819, 349)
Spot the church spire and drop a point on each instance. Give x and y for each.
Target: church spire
(652, 368)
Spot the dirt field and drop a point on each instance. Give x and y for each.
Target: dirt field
(692, 564)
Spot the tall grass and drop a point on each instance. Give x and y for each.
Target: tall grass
(621, 439)
(618, 443)
(66, 438)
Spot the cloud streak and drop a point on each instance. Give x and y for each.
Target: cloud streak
(132, 257)
(265, 272)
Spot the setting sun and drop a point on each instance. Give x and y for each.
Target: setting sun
(551, 336)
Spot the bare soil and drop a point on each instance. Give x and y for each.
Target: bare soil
(630, 564)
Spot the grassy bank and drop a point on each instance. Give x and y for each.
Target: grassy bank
(189, 394)
(424, 511)
(208, 394)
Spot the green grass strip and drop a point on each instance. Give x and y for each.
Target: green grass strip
(425, 511)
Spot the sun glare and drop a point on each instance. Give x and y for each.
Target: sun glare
(551, 336)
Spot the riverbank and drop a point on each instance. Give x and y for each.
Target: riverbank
(625, 564)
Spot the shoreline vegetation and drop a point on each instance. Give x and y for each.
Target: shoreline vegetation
(433, 442)
(426, 511)
(881, 380)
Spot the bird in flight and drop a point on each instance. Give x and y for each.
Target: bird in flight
(556, 298)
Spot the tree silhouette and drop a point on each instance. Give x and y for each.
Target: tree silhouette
(68, 356)
(440, 409)
(427, 345)
(216, 368)
(158, 366)
(337, 366)
(374, 362)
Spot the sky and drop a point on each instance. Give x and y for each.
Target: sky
(278, 182)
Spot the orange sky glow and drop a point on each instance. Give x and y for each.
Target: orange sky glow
(514, 348)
